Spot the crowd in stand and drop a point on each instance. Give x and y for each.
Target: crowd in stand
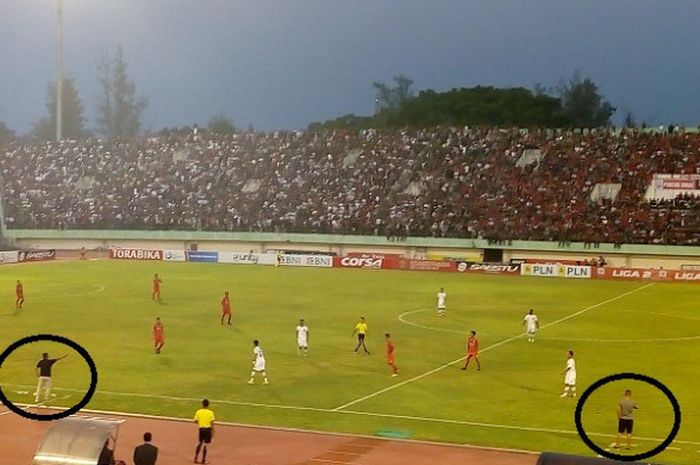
(443, 182)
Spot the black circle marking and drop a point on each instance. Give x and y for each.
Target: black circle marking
(61, 340)
(617, 377)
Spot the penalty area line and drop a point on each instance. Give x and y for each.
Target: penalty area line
(492, 346)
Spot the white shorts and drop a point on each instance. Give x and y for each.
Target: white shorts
(531, 330)
(570, 379)
(442, 307)
(259, 365)
(302, 343)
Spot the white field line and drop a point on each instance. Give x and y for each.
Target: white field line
(344, 412)
(492, 346)
(402, 319)
(432, 328)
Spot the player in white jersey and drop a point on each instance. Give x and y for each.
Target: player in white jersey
(302, 338)
(258, 363)
(441, 299)
(570, 377)
(532, 323)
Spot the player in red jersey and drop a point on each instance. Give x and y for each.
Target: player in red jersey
(226, 308)
(19, 291)
(158, 335)
(390, 357)
(472, 351)
(156, 287)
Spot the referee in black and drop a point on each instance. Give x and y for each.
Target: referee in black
(625, 422)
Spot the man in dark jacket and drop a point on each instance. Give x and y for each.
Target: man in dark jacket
(146, 453)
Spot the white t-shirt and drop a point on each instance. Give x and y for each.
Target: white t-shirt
(302, 332)
(570, 376)
(531, 322)
(441, 296)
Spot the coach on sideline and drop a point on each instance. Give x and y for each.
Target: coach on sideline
(205, 420)
(146, 453)
(625, 415)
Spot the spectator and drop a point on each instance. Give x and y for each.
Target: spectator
(440, 182)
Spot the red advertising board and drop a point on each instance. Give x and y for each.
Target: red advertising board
(427, 265)
(372, 261)
(639, 274)
(490, 268)
(36, 255)
(136, 254)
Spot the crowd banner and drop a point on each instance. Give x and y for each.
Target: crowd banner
(320, 261)
(135, 254)
(489, 268)
(36, 255)
(174, 256)
(202, 256)
(427, 265)
(9, 256)
(366, 260)
(555, 270)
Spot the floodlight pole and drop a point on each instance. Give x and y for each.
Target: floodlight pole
(59, 74)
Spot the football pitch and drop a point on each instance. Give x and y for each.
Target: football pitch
(513, 402)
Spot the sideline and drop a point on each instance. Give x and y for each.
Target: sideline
(530, 429)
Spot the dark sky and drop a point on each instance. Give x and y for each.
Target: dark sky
(285, 63)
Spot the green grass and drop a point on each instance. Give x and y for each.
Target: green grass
(106, 307)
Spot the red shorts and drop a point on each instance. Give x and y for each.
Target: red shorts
(472, 354)
(159, 340)
(226, 312)
(390, 359)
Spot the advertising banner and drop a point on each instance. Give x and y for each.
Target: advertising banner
(646, 274)
(427, 265)
(202, 256)
(174, 255)
(36, 255)
(372, 261)
(135, 254)
(320, 261)
(10, 256)
(555, 270)
(490, 268)
(248, 258)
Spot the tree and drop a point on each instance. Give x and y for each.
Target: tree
(118, 107)
(6, 134)
(222, 125)
(583, 106)
(72, 110)
(390, 98)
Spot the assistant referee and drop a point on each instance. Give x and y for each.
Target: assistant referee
(204, 418)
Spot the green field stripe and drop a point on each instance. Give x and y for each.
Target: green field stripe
(492, 346)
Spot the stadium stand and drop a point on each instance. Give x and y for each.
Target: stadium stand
(443, 182)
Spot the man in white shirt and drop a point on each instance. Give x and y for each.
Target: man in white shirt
(441, 299)
(570, 377)
(532, 323)
(258, 363)
(302, 338)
